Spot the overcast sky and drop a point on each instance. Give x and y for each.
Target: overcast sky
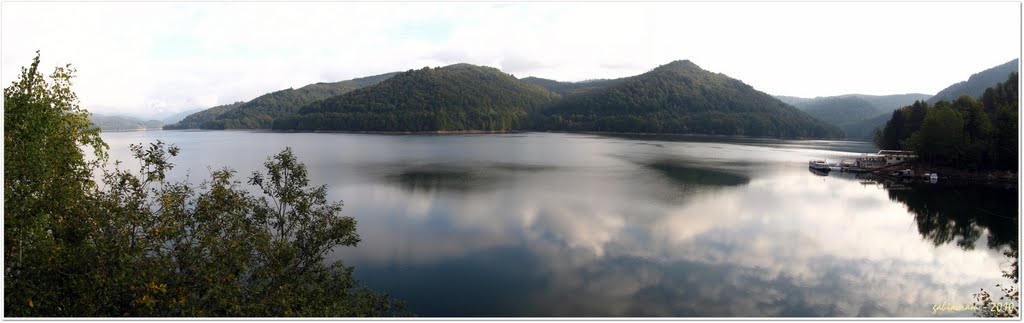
(147, 58)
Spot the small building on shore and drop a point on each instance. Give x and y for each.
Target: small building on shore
(881, 159)
(896, 156)
(870, 161)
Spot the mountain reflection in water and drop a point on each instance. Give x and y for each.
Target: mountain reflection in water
(544, 224)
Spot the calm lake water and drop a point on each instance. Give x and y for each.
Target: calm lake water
(540, 224)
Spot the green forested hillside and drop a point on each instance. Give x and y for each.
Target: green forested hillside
(850, 114)
(198, 119)
(975, 85)
(122, 123)
(675, 98)
(964, 133)
(865, 129)
(680, 97)
(451, 98)
(259, 113)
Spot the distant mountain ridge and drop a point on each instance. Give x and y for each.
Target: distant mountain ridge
(838, 110)
(571, 88)
(123, 123)
(975, 85)
(178, 116)
(857, 114)
(678, 97)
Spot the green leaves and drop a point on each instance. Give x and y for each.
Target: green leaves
(46, 179)
(140, 245)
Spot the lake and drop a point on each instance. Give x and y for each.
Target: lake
(548, 224)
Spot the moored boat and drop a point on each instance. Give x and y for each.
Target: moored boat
(819, 165)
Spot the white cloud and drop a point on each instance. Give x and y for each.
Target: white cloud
(173, 56)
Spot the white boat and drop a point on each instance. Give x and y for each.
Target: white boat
(819, 165)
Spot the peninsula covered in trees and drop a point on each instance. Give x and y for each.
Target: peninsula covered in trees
(678, 97)
(962, 133)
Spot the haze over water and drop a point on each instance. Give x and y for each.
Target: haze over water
(545, 224)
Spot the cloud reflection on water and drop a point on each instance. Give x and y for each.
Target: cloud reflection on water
(554, 224)
(781, 246)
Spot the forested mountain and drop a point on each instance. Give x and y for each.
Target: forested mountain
(259, 113)
(839, 110)
(198, 119)
(865, 129)
(963, 133)
(680, 97)
(886, 103)
(451, 98)
(571, 88)
(123, 123)
(857, 114)
(975, 85)
(851, 115)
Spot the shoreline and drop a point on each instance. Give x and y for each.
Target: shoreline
(676, 134)
(477, 132)
(435, 132)
(950, 175)
(947, 175)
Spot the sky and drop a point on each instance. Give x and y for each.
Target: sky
(159, 58)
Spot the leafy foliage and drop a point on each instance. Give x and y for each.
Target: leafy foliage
(680, 97)
(140, 245)
(455, 97)
(1007, 305)
(46, 180)
(964, 133)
